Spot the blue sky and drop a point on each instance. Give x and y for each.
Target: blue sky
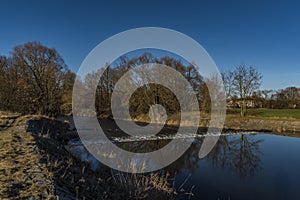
(265, 34)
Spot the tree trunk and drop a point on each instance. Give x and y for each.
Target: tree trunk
(243, 108)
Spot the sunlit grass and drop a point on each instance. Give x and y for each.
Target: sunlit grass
(18, 162)
(268, 113)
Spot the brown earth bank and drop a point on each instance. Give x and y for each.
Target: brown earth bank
(36, 165)
(273, 125)
(283, 126)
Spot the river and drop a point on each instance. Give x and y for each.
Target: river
(241, 165)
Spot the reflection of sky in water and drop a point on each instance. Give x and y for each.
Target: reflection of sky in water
(278, 178)
(80, 153)
(258, 166)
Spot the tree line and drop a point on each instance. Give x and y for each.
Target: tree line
(35, 80)
(148, 94)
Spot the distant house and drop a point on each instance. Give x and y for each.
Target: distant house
(237, 103)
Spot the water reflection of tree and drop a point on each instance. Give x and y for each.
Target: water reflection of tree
(189, 160)
(240, 153)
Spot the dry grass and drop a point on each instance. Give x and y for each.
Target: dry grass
(21, 173)
(141, 186)
(41, 168)
(155, 185)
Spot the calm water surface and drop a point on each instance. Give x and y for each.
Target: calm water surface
(260, 166)
(241, 166)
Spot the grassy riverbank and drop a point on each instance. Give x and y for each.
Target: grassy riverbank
(36, 165)
(263, 120)
(266, 113)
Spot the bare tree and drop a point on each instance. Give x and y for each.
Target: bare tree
(42, 71)
(246, 81)
(287, 98)
(228, 78)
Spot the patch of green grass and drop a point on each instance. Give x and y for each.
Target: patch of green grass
(269, 113)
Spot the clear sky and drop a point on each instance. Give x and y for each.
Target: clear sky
(265, 34)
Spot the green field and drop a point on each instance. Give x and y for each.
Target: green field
(272, 113)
